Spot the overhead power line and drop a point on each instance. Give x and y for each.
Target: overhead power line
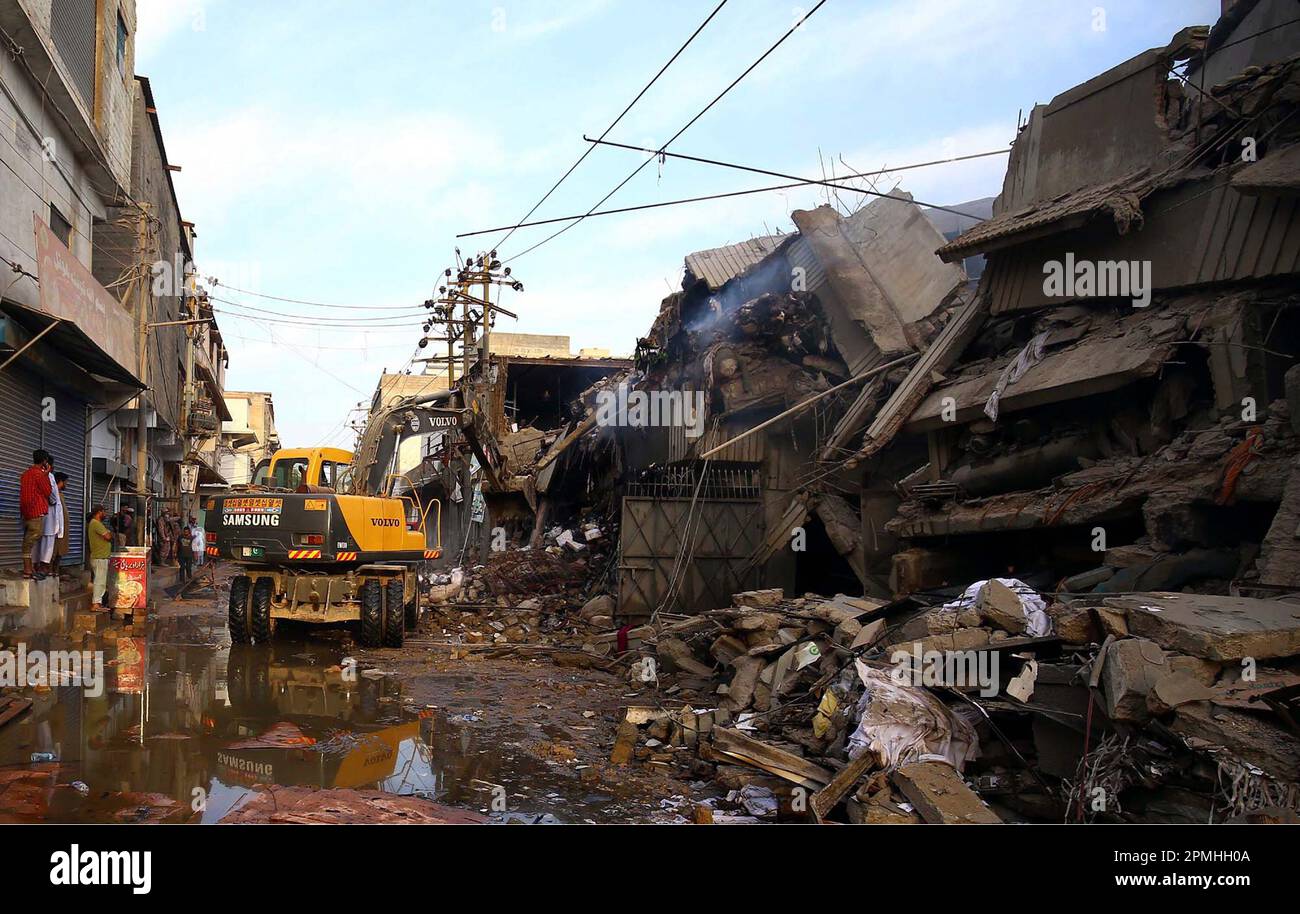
(414, 313)
(612, 125)
(303, 301)
(804, 18)
(298, 352)
(741, 193)
(317, 346)
(778, 174)
(332, 328)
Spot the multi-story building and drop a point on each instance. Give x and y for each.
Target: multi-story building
(247, 438)
(183, 404)
(67, 345)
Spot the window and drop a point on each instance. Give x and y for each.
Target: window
(288, 474)
(343, 479)
(121, 43)
(61, 227)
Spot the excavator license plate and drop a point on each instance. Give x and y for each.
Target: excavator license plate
(252, 552)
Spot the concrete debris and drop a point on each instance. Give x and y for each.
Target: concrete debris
(940, 795)
(1045, 533)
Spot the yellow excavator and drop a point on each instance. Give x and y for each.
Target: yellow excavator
(324, 539)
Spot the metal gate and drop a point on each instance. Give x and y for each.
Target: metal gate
(722, 518)
(22, 430)
(64, 436)
(20, 434)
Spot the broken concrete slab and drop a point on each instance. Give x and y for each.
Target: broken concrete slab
(1213, 627)
(759, 599)
(1074, 624)
(1279, 555)
(1246, 736)
(941, 796)
(1174, 690)
(1131, 667)
(965, 639)
(678, 656)
(1000, 606)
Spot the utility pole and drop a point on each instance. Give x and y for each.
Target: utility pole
(143, 310)
(482, 271)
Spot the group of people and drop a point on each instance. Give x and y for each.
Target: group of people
(177, 543)
(45, 530)
(45, 516)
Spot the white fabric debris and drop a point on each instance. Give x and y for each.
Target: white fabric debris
(1037, 623)
(903, 724)
(1028, 357)
(757, 801)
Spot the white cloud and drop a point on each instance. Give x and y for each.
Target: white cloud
(558, 17)
(157, 21)
(368, 160)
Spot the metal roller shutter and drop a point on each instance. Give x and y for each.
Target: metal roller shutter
(65, 439)
(72, 26)
(20, 434)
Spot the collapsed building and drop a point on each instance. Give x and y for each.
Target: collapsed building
(1057, 437)
(1131, 429)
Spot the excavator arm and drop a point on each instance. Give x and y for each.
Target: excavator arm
(440, 411)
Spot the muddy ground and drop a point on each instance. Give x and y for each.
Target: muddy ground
(196, 730)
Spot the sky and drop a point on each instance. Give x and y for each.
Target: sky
(332, 151)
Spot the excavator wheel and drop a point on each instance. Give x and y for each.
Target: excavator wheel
(394, 616)
(372, 614)
(412, 609)
(238, 616)
(260, 622)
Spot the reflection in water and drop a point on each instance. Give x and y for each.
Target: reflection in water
(188, 724)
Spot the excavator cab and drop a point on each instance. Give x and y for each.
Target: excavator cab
(308, 470)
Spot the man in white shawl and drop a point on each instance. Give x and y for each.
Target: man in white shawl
(53, 524)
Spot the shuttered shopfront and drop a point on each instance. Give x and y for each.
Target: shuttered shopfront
(21, 432)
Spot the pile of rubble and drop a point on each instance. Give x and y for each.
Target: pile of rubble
(996, 704)
(524, 595)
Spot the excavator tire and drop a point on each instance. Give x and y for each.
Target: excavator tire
(372, 614)
(412, 609)
(238, 616)
(260, 622)
(394, 617)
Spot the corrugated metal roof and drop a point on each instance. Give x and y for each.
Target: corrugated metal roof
(717, 266)
(1120, 195)
(801, 256)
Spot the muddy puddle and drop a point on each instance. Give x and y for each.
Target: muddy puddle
(186, 724)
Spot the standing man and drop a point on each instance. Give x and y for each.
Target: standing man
(158, 540)
(199, 540)
(35, 493)
(101, 545)
(185, 553)
(52, 525)
(61, 544)
(174, 521)
(123, 524)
